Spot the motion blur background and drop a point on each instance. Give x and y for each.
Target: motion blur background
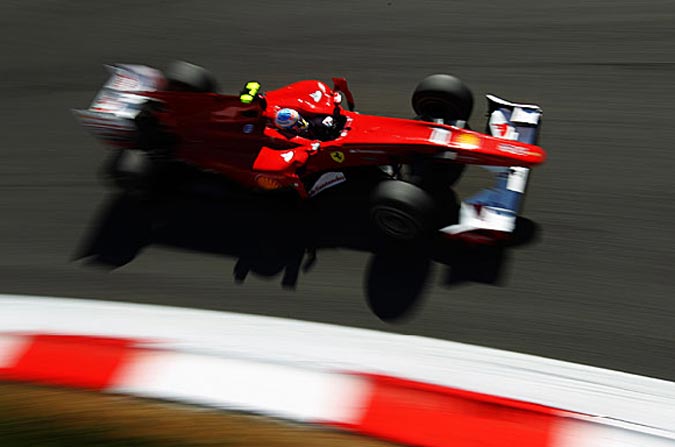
(598, 287)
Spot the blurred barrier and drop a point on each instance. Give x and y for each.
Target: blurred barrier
(197, 357)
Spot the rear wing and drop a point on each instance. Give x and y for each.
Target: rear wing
(111, 114)
(491, 214)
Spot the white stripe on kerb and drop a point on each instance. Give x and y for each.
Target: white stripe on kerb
(284, 391)
(571, 433)
(11, 348)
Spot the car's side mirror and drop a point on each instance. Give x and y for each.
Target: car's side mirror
(340, 86)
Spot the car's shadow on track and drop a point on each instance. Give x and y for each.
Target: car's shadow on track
(275, 235)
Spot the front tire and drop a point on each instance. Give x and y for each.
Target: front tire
(442, 96)
(401, 211)
(134, 172)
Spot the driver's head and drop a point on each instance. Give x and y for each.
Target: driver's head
(289, 119)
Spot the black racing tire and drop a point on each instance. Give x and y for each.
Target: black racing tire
(152, 135)
(184, 76)
(134, 172)
(442, 96)
(401, 211)
(395, 282)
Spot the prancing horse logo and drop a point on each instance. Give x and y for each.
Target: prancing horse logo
(337, 156)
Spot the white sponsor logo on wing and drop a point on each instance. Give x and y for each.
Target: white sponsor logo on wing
(499, 126)
(124, 82)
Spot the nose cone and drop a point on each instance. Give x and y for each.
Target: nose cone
(537, 155)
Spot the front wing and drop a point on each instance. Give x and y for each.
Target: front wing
(493, 211)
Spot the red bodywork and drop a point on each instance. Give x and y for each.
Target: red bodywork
(220, 133)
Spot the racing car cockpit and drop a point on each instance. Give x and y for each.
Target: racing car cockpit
(318, 105)
(295, 120)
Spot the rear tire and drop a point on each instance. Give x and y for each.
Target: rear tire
(152, 135)
(184, 76)
(401, 211)
(442, 96)
(134, 172)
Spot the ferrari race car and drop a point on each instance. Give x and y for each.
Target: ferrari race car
(153, 118)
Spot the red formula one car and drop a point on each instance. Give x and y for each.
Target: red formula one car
(153, 117)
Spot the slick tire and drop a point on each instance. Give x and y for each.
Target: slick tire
(401, 212)
(184, 76)
(133, 172)
(152, 135)
(442, 96)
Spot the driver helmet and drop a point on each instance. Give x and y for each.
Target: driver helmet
(289, 119)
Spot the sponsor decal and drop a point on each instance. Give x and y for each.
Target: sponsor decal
(517, 150)
(337, 156)
(440, 136)
(500, 129)
(327, 180)
(266, 182)
(107, 103)
(248, 128)
(316, 96)
(466, 141)
(365, 151)
(124, 82)
(499, 126)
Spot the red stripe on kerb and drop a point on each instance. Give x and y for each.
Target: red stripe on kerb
(76, 361)
(420, 414)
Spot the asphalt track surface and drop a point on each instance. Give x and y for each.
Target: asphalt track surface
(596, 287)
